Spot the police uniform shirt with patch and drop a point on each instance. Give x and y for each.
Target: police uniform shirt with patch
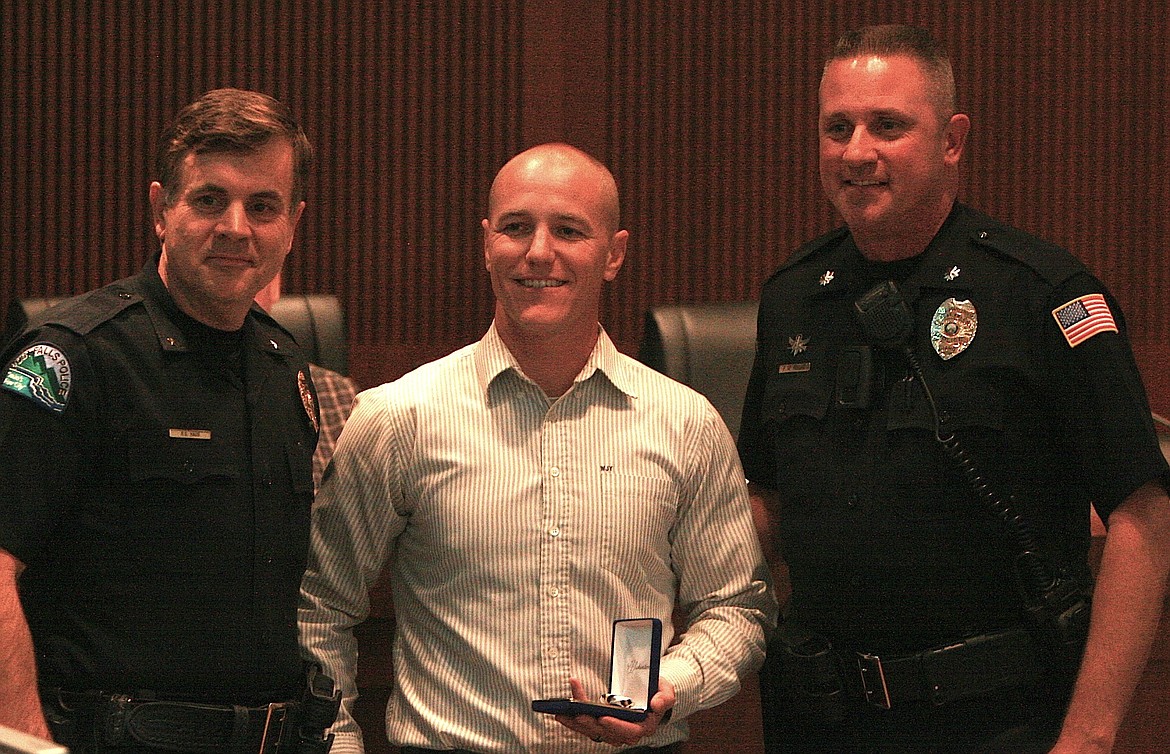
(156, 481)
(888, 548)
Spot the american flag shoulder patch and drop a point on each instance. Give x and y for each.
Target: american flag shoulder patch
(1084, 317)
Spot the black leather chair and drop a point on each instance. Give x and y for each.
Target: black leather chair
(709, 347)
(316, 321)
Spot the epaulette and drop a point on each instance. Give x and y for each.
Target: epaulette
(83, 313)
(268, 320)
(1050, 262)
(810, 248)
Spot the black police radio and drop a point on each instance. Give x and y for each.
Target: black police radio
(1057, 605)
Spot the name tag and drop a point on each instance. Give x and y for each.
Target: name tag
(190, 434)
(792, 368)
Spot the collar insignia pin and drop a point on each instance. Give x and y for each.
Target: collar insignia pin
(953, 328)
(827, 277)
(954, 273)
(798, 345)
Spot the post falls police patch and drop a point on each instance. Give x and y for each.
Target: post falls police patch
(42, 373)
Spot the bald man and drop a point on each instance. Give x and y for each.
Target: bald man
(528, 490)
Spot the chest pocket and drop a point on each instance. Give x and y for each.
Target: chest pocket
(798, 388)
(186, 460)
(639, 512)
(179, 505)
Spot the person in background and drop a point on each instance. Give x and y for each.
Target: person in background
(335, 394)
(936, 402)
(526, 491)
(156, 443)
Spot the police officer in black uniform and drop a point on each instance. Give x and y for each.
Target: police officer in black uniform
(156, 441)
(936, 402)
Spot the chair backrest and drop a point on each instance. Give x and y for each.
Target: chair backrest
(709, 347)
(316, 321)
(318, 324)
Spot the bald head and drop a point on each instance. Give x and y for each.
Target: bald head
(560, 163)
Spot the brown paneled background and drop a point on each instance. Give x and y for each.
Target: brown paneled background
(705, 111)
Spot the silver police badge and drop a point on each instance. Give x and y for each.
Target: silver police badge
(953, 328)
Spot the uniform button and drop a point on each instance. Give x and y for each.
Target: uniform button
(554, 471)
(854, 500)
(554, 532)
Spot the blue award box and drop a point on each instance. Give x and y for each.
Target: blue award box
(635, 651)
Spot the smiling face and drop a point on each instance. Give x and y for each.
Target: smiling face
(550, 243)
(888, 157)
(228, 231)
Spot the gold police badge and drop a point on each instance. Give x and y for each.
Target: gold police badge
(953, 327)
(307, 400)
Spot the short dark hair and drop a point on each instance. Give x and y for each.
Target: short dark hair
(911, 41)
(230, 120)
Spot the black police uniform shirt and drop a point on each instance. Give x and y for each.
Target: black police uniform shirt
(887, 545)
(156, 480)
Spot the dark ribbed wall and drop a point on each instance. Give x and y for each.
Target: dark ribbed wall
(706, 111)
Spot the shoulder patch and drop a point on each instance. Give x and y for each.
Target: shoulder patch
(1084, 317)
(42, 373)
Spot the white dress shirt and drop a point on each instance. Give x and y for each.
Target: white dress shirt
(516, 530)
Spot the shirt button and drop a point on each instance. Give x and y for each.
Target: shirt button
(555, 592)
(554, 471)
(554, 532)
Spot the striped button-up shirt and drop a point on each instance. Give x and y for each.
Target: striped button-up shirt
(516, 529)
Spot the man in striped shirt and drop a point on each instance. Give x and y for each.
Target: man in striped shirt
(528, 490)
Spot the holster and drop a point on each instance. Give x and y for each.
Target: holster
(319, 707)
(806, 674)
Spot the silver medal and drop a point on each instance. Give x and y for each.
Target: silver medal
(953, 327)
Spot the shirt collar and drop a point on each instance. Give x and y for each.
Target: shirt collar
(492, 359)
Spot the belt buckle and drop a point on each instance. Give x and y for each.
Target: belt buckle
(873, 680)
(274, 727)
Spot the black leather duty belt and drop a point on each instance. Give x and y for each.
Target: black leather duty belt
(965, 669)
(120, 720)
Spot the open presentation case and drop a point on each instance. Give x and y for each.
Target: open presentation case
(635, 651)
